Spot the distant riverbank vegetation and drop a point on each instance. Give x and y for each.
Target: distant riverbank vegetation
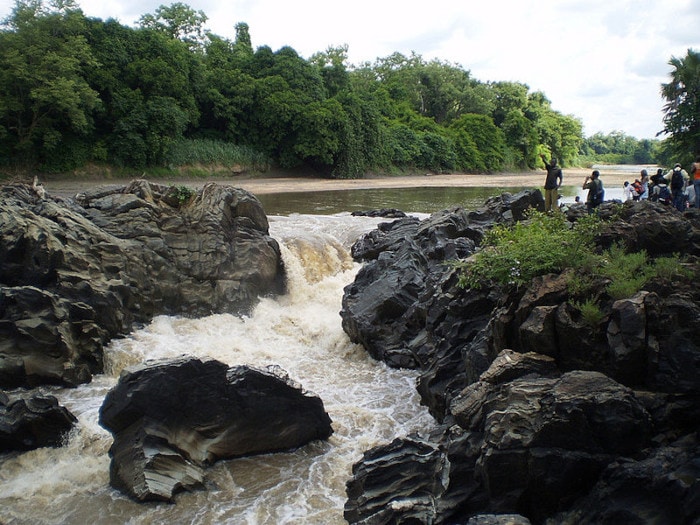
(82, 94)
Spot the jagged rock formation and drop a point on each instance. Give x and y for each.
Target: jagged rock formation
(542, 415)
(75, 273)
(384, 309)
(171, 419)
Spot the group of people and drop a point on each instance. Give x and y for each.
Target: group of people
(675, 187)
(554, 179)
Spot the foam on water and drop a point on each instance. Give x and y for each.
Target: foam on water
(301, 332)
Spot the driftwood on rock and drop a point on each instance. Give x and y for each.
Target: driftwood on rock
(543, 416)
(170, 419)
(75, 273)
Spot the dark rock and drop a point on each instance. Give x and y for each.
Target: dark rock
(416, 472)
(406, 261)
(32, 421)
(414, 480)
(388, 213)
(552, 425)
(530, 445)
(663, 488)
(653, 227)
(76, 273)
(170, 419)
(454, 347)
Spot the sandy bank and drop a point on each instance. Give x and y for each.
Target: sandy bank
(288, 184)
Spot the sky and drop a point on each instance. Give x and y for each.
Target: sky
(601, 61)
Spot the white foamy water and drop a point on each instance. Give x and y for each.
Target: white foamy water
(368, 402)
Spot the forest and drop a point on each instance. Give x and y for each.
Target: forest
(167, 94)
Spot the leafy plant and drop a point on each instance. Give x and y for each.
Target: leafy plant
(207, 152)
(591, 313)
(628, 272)
(183, 194)
(513, 255)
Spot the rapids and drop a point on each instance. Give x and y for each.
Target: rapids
(368, 402)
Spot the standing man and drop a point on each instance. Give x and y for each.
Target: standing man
(596, 193)
(678, 179)
(551, 183)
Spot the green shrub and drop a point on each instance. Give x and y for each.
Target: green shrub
(183, 194)
(513, 255)
(672, 267)
(591, 313)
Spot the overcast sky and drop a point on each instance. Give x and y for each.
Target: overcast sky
(602, 61)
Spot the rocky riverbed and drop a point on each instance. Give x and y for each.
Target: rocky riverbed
(543, 415)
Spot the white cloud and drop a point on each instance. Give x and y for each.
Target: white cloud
(600, 61)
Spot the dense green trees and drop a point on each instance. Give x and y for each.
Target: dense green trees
(46, 101)
(682, 110)
(75, 90)
(618, 148)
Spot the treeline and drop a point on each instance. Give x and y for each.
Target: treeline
(618, 148)
(76, 90)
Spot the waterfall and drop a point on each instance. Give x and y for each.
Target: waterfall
(368, 402)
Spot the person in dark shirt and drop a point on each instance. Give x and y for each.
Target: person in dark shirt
(595, 191)
(551, 183)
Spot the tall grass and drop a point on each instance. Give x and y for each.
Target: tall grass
(214, 155)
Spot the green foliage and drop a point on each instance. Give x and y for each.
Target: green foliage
(44, 94)
(591, 314)
(682, 110)
(75, 90)
(513, 255)
(618, 148)
(183, 194)
(485, 136)
(194, 152)
(627, 272)
(177, 21)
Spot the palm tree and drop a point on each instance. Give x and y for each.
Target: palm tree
(682, 111)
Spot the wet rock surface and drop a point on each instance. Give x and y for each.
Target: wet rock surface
(542, 416)
(77, 272)
(171, 419)
(32, 420)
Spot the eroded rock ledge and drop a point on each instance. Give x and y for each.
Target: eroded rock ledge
(75, 273)
(543, 416)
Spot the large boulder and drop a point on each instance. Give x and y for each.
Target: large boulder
(32, 421)
(529, 440)
(170, 419)
(75, 273)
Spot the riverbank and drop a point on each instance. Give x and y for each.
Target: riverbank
(284, 183)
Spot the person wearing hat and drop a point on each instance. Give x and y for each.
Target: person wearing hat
(551, 183)
(677, 180)
(595, 191)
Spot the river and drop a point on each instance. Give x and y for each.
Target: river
(368, 402)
